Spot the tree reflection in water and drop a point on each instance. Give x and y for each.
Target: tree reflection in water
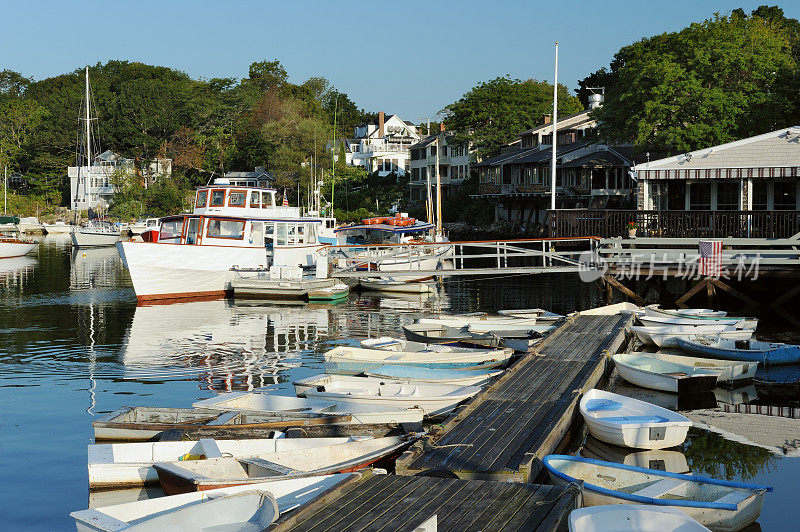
(712, 455)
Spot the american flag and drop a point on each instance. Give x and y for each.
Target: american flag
(710, 263)
(285, 199)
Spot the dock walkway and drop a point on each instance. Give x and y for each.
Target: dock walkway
(394, 502)
(522, 417)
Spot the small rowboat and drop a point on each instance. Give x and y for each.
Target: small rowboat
(628, 422)
(726, 370)
(289, 494)
(659, 321)
(441, 334)
(543, 316)
(331, 293)
(433, 399)
(265, 402)
(668, 336)
(200, 475)
(140, 423)
(411, 374)
(393, 285)
(632, 518)
(658, 374)
(122, 465)
(387, 343)
(739, 349)
(487, 322)
(357, 359)
(718, 504)
(655, 310)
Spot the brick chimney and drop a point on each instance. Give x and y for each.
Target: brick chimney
(547, 119)
(381, 120)
(441, 127)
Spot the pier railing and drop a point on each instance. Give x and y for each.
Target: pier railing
(608, 223)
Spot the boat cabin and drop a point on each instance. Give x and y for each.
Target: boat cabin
(382, 233)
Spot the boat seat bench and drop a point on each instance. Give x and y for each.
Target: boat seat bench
(635, 419)
(662, 487)
(602, 405)
(734, 497)
(269, 466)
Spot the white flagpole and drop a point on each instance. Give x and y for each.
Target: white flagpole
(555, 134)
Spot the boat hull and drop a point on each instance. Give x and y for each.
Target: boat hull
(779, 355)
(89, 239)
(167, 271)
(655, 381)
(16, 249)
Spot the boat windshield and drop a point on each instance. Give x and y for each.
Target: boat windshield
(171, 231)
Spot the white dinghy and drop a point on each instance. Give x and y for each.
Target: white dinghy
(356, 359)
(655, 310)
(264, 402)
(123, 465)
(433, 399)
(668, 336)
(485, 322)
(632, 518)
(288, 494)
(543, 316)
(660, 321)
(718, 504)
(628, 422)
(390, 284)
(387, 343)
(731, 371)
(411, 374)
(211, 473)
(657, 374)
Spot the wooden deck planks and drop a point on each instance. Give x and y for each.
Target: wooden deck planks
(500, 432)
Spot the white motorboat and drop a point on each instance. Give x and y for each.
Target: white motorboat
(200, 475)
(57, 228)
(662, 321)
(15, 247)
(434, 399)
(726, 370)
(412, 374)
(658, 374)
(632, 518)
(240, 226)
(146, 224)
(718, 504)
(363, 414)
(628, 422)
(30, 224)
(668, 336)
(355, 359)
(123, 465)
(288, 494)
(95, 234)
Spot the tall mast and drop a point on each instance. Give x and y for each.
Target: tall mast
(438, 188)
(555, 134)
(88, 142)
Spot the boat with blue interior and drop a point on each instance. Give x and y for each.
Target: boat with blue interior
(231, 225)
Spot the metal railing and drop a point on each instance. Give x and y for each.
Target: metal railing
(673, 224)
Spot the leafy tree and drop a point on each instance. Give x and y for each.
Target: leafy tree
(496, 111)
(725, 78)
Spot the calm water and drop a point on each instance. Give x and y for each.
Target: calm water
(74, 345)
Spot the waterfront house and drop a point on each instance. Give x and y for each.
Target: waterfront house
(93, 186)
(453, 165)
(259, 177)
(382, 145)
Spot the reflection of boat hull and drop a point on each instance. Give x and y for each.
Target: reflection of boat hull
(87, 239)
(658, 459)
(9, 249)
(164, 271)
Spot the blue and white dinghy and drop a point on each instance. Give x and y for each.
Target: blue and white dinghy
(749, 350)
(628, 422)
(632, 518)
(718, 504)
(434, 376)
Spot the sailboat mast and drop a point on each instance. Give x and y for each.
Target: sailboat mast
(88, 142)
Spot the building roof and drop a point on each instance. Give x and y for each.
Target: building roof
(568, 121)
(779, 148)
(505, 158)
(598, 159)
(542, 155)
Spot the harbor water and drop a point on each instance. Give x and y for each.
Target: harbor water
(74, 346)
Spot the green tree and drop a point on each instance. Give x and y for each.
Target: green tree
(719, 80)
(496, 111)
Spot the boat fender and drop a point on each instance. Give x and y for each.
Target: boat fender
(320, 388)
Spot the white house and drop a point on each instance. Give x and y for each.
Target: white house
(756, 173)
(93, 186)
(453, 165)
(382, 145)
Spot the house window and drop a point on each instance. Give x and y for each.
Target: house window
(760, 191)
(202, 197)
(225, 229)
(700, 196)
(784, 196)
(727, 196)
(217, 198)
(433, 150)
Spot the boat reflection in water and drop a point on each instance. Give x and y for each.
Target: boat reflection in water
(224, 345)
(15, 270)
(96, 268)
(671, 460)
(671, 401)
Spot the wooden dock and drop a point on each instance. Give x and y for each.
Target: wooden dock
(393, 502)
(503, 432)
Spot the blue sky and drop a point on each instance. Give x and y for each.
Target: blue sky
(411, 58)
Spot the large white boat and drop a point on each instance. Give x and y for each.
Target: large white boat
(14, 247)
(230, 226)
(97, 233)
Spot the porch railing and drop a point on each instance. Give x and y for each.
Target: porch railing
(604, 223)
